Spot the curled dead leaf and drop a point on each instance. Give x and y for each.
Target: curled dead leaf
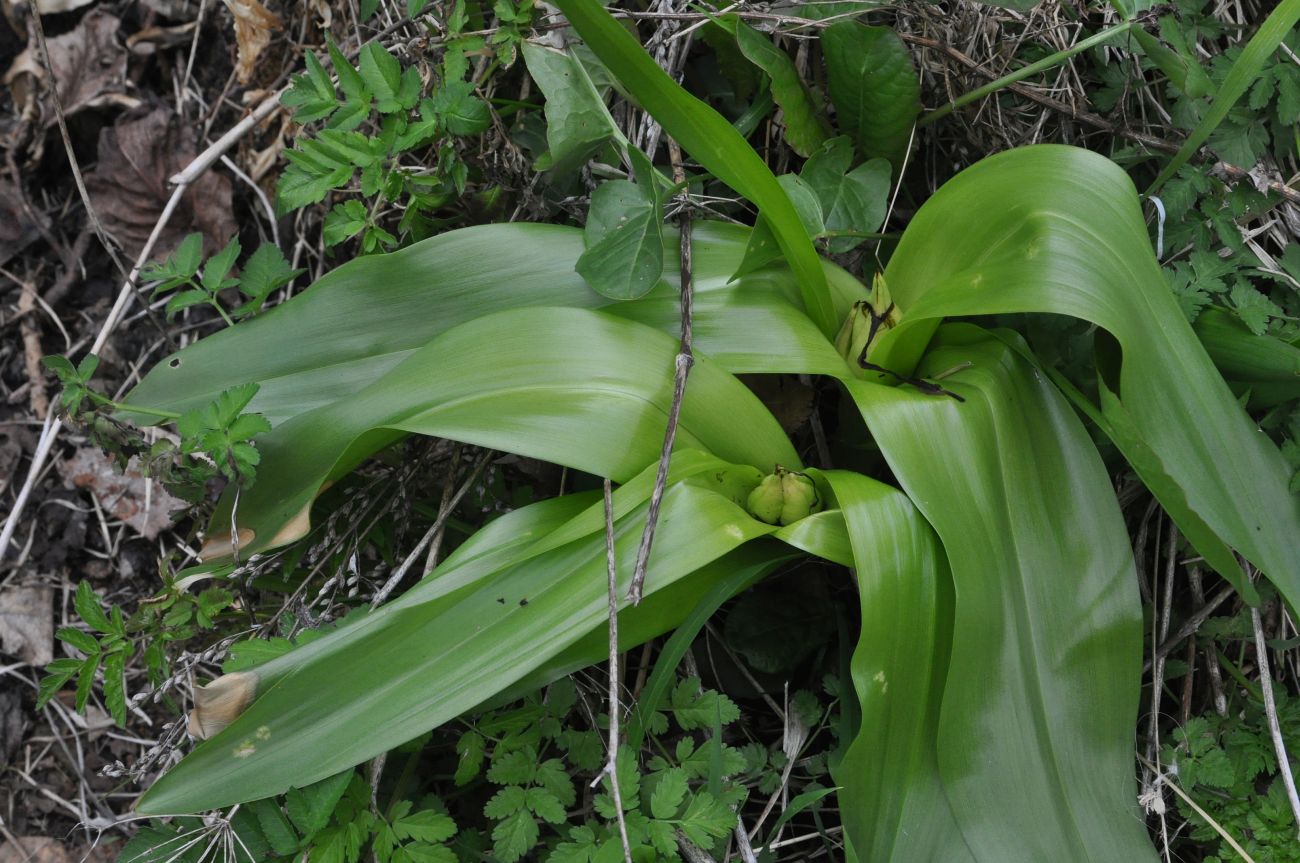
(217, 704)
(89, 65)
(126, 495)
(254, 24)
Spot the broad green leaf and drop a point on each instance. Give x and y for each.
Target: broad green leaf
(1035, 732)
(578, 125)
(873, 87)
(1058, 229)
(442, 648)
(570, 386)
(804, 129)
(851, 199)
(763, 248)
(362, 319)
(711, 140)
(891, 798)
(624, 257)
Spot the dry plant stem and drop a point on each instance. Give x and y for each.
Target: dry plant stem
(396, 578)
(615, 709)
(1270, 711)
(681, 369)
(1094, 120)
(195, 169)
(1211, 657)
(444, 511)
(1164, 780)
(1190, 625)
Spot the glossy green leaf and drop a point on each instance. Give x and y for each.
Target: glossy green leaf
(625, 243)
(873, 87)
(1035, 728)
(456, 640)
(362, 319)
(578, 125)
(891, 798)
(711, 140)
(804, 130)
(571, 386)
(1058, 229)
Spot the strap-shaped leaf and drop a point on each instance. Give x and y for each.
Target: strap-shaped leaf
(1035, 729)
(571, 386)
(425, 659)
(893, 805)
(362, 319)
(1059, 229)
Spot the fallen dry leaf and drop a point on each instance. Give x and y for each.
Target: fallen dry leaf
(89, 66)
(130, 497)
(27, 623)
(129, 186)
(16, 229)
(35, 849)
(253, 26)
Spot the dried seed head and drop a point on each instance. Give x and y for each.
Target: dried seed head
(217, 704)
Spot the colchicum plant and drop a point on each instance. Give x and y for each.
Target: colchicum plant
(997, 670)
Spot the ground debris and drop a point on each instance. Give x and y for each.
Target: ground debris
(129, 185)
(141, 502)
(27, 623)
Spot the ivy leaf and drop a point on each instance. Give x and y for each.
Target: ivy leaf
(462, 112)
(874, 88)
(624, 237)
(851, 200)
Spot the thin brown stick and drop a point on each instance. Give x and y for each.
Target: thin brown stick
(615, 708)
(1211, 655)
(681, 369)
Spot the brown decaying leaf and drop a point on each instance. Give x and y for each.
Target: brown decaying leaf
(253, 26)
(16, 229)
(142, 503)
(89, 66)
(27, 623)
(129, 186)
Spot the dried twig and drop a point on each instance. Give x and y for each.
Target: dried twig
(1270, 711)
(434, 529)
(681, 369)
(615, 709)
